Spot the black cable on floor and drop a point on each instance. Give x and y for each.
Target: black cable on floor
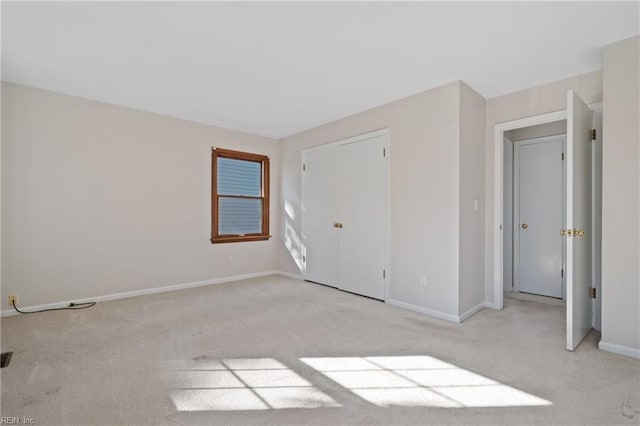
(71, 307)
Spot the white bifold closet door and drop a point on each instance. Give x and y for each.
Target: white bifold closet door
(319, 213)
(344, 216)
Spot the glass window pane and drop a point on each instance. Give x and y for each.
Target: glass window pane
(239, 177)
(239, 216)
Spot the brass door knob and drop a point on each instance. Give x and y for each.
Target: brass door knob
(578, 232)
(568, 232)
(337, 225)
(525, 226)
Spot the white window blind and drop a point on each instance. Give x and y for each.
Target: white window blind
(240, 191)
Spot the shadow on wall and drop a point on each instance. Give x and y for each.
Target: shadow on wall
(394, 381)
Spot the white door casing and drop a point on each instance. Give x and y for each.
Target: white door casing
(578, 220)
(538, 216)
(508, 212)
(596, 219)
(498, 196)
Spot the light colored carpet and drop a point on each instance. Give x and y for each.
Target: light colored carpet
(279, 351)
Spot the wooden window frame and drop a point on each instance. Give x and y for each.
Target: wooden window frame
(244, 156)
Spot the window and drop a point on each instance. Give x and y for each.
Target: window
(240, 197)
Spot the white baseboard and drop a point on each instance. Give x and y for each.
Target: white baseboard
(420, 309)
(9, 312)
(290, 275)
(619, 349)
(480, 306)
(491, 305)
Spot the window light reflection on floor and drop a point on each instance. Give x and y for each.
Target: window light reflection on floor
(241, 384)
(418, 381)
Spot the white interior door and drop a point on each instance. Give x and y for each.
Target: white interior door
(363, 216)
(319, 213)
(539, 208)
(578, 220)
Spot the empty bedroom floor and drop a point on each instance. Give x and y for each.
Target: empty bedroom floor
(278, 351)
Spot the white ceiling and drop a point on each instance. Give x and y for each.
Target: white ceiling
(275, 69)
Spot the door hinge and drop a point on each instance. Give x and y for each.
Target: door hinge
(563, 156)
(593, 134)
(384, 274)
(593, 293)
(304, 259)
(562, 272)
(384, 152)
(304, 167)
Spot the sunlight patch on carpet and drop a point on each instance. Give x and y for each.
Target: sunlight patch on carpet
(418, 381)
(241, 384)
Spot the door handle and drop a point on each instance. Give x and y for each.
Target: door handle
(337, 225)
(525, 226)
(572, 232)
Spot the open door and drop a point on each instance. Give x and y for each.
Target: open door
(577, 231)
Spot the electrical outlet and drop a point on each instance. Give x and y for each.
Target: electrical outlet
(423, 281)
(13, 299)
(230, 259)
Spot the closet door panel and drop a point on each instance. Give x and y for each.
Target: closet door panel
(319, 213)
(362, 210)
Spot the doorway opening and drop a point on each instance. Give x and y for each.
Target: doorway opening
(533, 203)
(581, 209)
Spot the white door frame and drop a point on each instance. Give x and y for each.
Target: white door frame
(499, 129)
(387, 252)
(498, 193)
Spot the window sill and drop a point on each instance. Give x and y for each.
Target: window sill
(237, 239)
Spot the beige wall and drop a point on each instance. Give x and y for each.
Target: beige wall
(472, 125)
(424, 179)
(537, 131)
(621, 197)
(99, 199)
(525, 103)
